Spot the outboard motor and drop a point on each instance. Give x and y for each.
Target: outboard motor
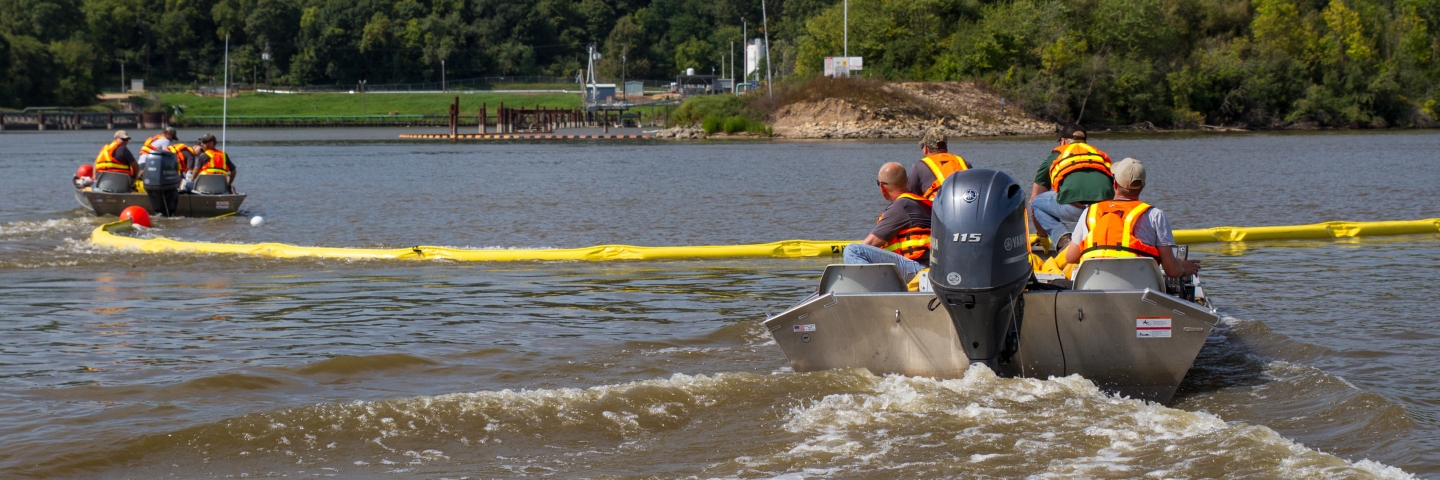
(162, 171)
(162, 181)
(979, 259)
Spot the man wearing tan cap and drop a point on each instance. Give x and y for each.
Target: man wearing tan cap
(1126, 227)
(116, 157)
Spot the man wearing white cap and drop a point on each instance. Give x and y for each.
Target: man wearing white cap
(1127, 227)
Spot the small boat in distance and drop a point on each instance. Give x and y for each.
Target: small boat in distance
(191, 204)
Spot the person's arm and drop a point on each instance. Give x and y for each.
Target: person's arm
(1036, 190)
(231, 166)
(124, 156)
(1165, 242)
(890, 223)
(1072, 252)
(1077, 238)
(1173, 266)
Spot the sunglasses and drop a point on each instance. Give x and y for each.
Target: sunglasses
(879, 183)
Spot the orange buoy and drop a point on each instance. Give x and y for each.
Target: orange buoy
(85, 171)
(137, 215)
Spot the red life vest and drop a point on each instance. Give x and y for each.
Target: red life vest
(942, 165)
(1112, 231)
(1074, 157)
(914, 242)
(106, 161)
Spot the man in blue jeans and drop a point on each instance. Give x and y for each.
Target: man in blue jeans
(1074, 176)
(902, 235)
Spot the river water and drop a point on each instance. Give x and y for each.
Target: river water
(125, 364)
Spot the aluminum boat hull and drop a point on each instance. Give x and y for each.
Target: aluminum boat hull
(1096, 334)
(190, 205)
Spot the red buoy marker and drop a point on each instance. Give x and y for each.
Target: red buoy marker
(85, 171)
(137, 216)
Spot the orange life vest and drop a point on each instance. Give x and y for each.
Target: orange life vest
(1112, 231)
(179, 149)
(942, 165)
(218, 163)
(106, 161)
(149, 147)
(914, 242)
(1074, 157)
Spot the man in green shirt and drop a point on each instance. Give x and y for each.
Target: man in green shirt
(1082, 173)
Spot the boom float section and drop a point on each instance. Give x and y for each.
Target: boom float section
(537, 136)
(104, 235)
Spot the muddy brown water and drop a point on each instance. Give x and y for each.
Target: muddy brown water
(125, 364)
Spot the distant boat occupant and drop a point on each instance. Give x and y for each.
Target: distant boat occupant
(1073, 177)
(930, 172)
(214, 162)
(902, 234)
(186, 156)
(159, 142)
(116, 157)
(1126, 227)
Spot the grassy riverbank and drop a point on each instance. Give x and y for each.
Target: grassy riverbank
(273, 104)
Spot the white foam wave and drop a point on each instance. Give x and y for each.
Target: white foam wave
(1056, 428)
(35, 228)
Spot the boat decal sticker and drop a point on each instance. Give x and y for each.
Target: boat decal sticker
(1152, 327)
(222, 204)
(810, 327)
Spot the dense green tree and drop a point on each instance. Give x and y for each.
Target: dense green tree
(1263, 63)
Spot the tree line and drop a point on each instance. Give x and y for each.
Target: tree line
(1257, 63)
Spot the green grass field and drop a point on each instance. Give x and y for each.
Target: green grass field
(272, 104)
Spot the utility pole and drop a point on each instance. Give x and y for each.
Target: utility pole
(765, 24)
(225, 100)
(364, 109)
(442, 75)
(622, 73)
(846, 29)
(732, 66)
(744, 49)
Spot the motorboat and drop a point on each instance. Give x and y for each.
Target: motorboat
(1118, 322)
(111, 193)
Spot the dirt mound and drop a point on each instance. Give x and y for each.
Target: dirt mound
(906, 110)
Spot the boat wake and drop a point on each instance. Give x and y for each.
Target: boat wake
(832, 423)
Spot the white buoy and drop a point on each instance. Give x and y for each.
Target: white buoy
(257, 221)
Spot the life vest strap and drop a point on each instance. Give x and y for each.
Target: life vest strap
(1137, 252)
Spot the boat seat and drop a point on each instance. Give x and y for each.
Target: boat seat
(212, 184)
(1119, 274)
(113, 182)
(861, 278)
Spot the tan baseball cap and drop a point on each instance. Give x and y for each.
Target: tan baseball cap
(121, 135)
(1129, 173)
(933, 140)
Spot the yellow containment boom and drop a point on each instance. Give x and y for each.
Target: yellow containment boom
(785, 249)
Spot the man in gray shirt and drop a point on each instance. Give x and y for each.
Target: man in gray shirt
(1149, 235)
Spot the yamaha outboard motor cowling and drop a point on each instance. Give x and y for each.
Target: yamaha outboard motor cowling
(979, 258)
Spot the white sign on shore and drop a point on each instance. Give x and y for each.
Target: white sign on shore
(842, 66)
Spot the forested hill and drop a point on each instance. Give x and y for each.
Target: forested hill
(1262, 63)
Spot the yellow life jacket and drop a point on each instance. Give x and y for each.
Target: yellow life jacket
(1074, 157)
(942, 165)
(914, 242)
